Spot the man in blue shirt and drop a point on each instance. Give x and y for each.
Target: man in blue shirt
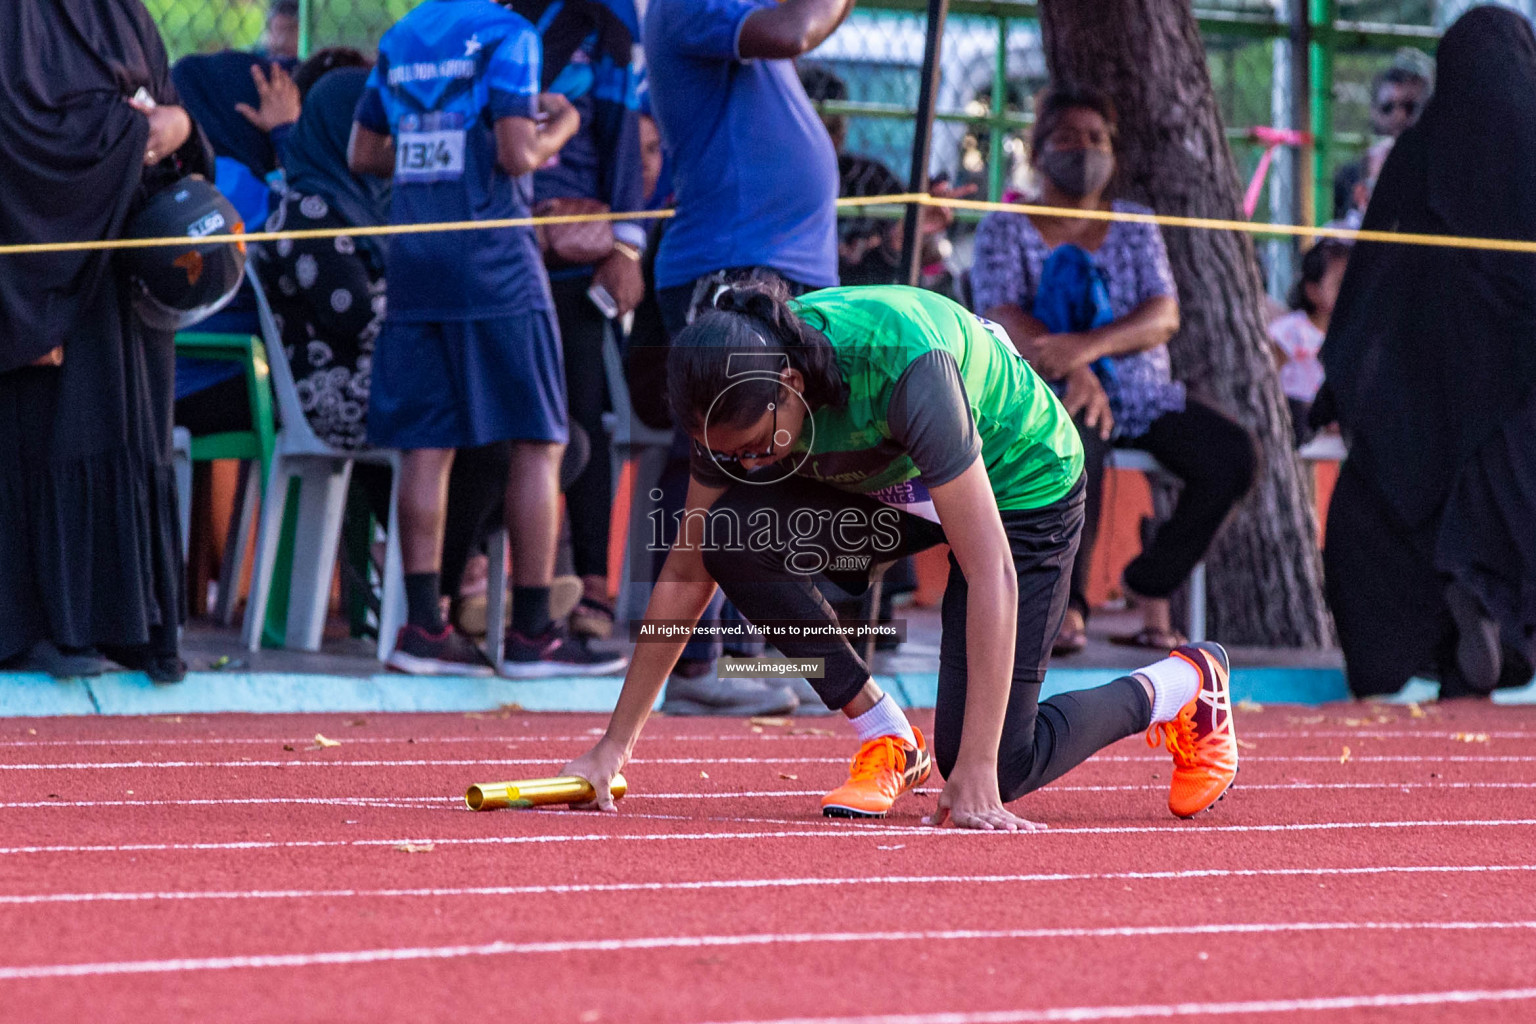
(755, 178)
(469, 354)
(753, 169)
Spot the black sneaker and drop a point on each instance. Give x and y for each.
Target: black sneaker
(448, 653)
(555, 653)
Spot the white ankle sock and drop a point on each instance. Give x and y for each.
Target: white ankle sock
(1174, 684)
(884, 719)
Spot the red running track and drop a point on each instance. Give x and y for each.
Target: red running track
(228, 868)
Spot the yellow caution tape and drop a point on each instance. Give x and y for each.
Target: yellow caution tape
(896, 199)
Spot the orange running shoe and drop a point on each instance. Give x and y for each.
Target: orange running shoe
(883, 769)
(1201, 739)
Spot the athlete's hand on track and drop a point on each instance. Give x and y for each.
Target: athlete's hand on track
(598, 766)
(971, 800)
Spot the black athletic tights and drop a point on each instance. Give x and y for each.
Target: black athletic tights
(1041, 740)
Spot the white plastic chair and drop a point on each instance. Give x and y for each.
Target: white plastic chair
(181, 462)
(323, 472)
(1134, 458)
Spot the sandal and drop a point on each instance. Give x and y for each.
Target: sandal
(1071, 639)
(1151, 639)
(592, 618)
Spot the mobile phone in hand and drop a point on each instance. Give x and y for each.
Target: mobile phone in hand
(603, 301)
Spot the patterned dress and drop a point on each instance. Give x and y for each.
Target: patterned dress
(1008, 259)
(328, 297)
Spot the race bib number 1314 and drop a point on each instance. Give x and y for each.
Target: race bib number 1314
(429, 156)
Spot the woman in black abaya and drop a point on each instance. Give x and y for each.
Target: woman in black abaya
(1431, 360)
(90, 552)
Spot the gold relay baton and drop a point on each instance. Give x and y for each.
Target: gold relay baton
(567, 789)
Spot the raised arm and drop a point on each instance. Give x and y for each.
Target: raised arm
(683, 589)
(523, 145)
(790, 29)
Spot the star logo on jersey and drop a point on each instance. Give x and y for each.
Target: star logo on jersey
(472, 45)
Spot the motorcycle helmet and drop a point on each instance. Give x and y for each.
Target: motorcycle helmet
(177, 286)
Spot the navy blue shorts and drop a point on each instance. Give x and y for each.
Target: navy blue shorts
(467, 383)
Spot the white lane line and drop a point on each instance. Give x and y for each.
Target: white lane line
(832, 830)
(430, 763)
(457, 803)
(351, 800)
(769, 734)
(504, 948)
(1165, 1010)
(760, 883)
(1436, 759)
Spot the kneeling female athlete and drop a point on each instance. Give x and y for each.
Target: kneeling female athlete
(856, 425)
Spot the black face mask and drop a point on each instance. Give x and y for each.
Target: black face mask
(1077, 172)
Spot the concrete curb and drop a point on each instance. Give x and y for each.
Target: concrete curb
(28, 695)
(33, 695)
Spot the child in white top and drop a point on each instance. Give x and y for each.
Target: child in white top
(1298, 335)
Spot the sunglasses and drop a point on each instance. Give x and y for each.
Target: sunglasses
(740, 457)
(1409, 107)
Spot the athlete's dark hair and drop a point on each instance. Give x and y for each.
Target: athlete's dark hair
(724, 364)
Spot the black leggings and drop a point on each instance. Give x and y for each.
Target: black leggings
(1217, 461)
(767, 579)
(588, 498)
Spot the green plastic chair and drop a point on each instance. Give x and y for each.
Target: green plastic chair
(252, 447)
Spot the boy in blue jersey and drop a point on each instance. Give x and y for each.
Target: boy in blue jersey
(469, 354)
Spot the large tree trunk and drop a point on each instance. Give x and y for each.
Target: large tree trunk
(1265, 573)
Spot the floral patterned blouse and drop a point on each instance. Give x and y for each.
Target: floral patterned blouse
(1008, 259)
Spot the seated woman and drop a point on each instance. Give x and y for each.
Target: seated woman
(1107, 352)
(328, 293)
(855, 425)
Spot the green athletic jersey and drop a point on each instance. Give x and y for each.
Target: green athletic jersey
(928, 380)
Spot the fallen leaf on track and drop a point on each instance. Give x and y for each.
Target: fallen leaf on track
(703, 775)
(321, 741)
(287, 746)
(1414, 711)
(1344, 756)
(773, 722)
(898, 846)
(786, 775)
(812, 732)
(1250, 705)
(1246, 745)
(1471, 737)
(414, 848)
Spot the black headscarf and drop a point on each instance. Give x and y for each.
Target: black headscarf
(210, 85)
(315, 153)
(73, 154)
(1431, 348)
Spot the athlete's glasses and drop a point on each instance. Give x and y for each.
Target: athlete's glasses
(740, 457)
